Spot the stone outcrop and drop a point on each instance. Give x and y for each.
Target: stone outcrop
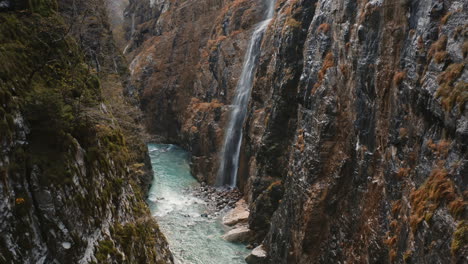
(354, 115)
(258, 256)
(354, 148)
(238, 215)
(186, 57)
(239, 234)
(71, 175)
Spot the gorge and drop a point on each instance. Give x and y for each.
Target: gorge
(230, 152)
(193, 237)
(342, 124)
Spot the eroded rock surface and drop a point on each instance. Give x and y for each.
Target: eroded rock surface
(238, 215)
(354, 148)
(72, 177)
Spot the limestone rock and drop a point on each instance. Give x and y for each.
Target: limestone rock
(239, 214)
(257, 256)
(240, 234)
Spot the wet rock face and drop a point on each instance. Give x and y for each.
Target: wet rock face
(8, 5)
(354, 146)
(185, 58)
(352, 114)
(70, 176)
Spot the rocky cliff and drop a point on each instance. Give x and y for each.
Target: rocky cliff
(355, 144)
(186, 58)
(356, 147)
(72, 163)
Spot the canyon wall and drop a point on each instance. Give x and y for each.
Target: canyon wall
(185, 58)
(73, 167)
(356, 148)
(355, 144)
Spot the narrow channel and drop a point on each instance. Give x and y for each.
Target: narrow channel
(193, 239)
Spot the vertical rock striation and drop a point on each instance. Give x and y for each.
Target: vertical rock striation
(71, 176)
(186, 58)
(355, 143)
(357, 133)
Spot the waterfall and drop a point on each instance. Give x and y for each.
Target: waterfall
(133, 25)
(132, 31)
(227, 174)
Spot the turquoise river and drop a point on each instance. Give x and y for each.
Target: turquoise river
(193, 239)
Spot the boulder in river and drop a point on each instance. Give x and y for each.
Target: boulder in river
(241, 234)
(257, 256)
(240, 214)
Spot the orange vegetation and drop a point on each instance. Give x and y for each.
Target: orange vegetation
(403, 173)
(196, 105)
(427, 198)
(440, 148)
(438, 46)
(398, 77)
(19, 200)
(324, 28)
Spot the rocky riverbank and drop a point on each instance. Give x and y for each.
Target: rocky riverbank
(217, 199)
(355, 143)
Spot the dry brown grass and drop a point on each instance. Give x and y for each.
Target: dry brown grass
(344, 69)
(393, 255)
(420, 43)
(399, 77)
(274, 184)
(450, 94)
(438, 46)
(458, 207)
(391, 241)
(323, 28)
(407, 256)
(465, 49)
(440, 148)
(292, 23)
(347, 46)
(403, 173)
(300, 145)
(328, 62)
(403, 132)
(214, 43)
(440, 56)
(445, 18)
(451, 74)
(396, 208)
(426, 199)
(198, 106)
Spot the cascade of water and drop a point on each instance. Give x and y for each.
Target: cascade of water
(227, 174)
(132, 30)
(133, 24)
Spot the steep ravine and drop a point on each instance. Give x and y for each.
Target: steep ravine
(354, 147)
(74, 170)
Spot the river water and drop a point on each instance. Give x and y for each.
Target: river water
(193, 239)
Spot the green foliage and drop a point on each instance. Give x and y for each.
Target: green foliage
(43, 7)
(460, 237)
(128, 235)
(44, 78)
(105, 250)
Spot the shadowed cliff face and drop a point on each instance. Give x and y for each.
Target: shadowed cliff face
(186, 57)
(355, 141)
(355, 118)
(73, 167)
